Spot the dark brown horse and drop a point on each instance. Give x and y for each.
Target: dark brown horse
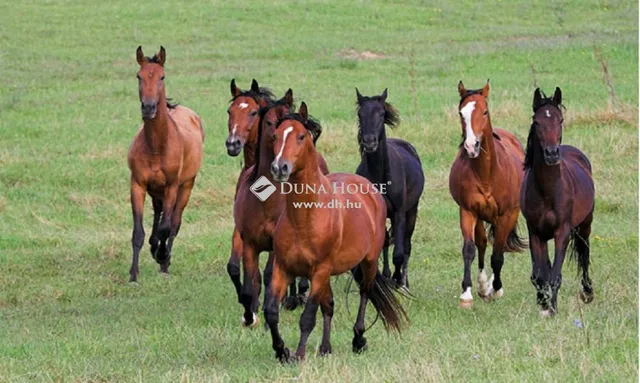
(256, 214)
(485, 182)
(557, 200)
(317, 242)
(164, 159)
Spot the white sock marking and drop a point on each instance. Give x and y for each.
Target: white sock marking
(466, 112)
(467, 295)
(243, 105)
(284, 141)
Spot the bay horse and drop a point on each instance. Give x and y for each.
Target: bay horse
(557, 200)
(485, 181)
(318, 242)
(396, 163)
(164, 159)
(255, 219)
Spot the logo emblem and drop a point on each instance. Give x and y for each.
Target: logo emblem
(262, 188)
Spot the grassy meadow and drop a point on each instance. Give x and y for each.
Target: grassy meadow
(69, 108)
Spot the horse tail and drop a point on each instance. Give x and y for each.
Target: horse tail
(515, 243)
(577, 249)
(381, 294)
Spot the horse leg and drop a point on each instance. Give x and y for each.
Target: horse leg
(165, 229)
(540, 272)
(277, 289)
(327, 315)
(412, 215)
(365, 272)
(303, 287)
(138, 193)
(503, 228)
(233, 265)
(561, 241)
(481, 244)
(308, 318)
(582, 248)
(398, 248)
(386, 271)
(184, 193)
(290, 301)
(467, 225)
(268, 275)
(249, 291)
(157, 212)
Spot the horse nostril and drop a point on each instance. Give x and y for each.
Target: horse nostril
(477, 145)
(274, 167)
(285, 168)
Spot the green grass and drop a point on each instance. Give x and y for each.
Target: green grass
(69, 108)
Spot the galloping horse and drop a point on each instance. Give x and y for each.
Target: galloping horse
(255, 219)
(557, 200)
(164, 159)
(393, 162)
(318, 242)
(485, 182)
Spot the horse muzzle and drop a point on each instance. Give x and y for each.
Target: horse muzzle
(234, 147)
(551, 155)
(281, 170)
(148, 110)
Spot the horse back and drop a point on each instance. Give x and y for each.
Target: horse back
(577, 170)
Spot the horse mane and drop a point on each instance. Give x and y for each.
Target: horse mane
(263, 93)
(311, 124)
(532, 139)
(391, 116)
(153, 60)
(172, 105)
(262, 112)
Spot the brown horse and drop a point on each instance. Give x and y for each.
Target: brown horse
(557, 200)
(164, 159)
(485, 182)
(243, 120)
(256, 217)
(318, 242)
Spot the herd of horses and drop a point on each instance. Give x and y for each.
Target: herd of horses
(493, 179)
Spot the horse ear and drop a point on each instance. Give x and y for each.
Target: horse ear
(461, 89)
(537, 99)
(279, 113)
(303, 111)
(383, 96)
(235, 92)
(485, 90)
(140, 55)
(162, 55)
(254, 86)
(288, 98)
(557, 96)
(359, 96)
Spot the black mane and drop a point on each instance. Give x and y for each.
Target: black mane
(469, 92)
(533, 144)
(391, 116)
(311, 124)
(263, 94)
(261, 114)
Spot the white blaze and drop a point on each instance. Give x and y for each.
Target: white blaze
(284, 141)
(243, 105)
(548, 114)
(466, 113)
(233, 132)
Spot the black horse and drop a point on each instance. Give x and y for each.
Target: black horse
(393, 162)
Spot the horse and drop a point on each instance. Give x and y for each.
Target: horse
(396, 163)
(557, 200)
(164, 159)
(256, 216)
(318, 242)
(243, 120)
(485, 181)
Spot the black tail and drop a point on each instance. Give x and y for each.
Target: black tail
(515, 243)
(381, 294)
(579, 249)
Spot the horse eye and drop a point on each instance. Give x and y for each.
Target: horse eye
(301, 137)
(273, 136)
(486, 112)
(162, 78)
(269, 123)
(252, 114)
(228, 112)
(138, 77)
(562, 121)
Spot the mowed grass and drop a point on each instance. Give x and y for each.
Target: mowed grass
(69, 108)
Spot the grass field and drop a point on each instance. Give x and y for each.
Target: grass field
(69, 109)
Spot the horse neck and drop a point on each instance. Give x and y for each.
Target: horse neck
(156, 130)
(377, 162)
(486, 163)
(310, 175)
(265, 157)
(249, 150)
(546, 176)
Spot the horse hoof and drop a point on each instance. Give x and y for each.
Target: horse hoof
(253, 324)
(586, 298)
(285, 356)
(466, 299)
(359, 345)
(325, 351)
(290, 303)
(497, 294)
(546, 313)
